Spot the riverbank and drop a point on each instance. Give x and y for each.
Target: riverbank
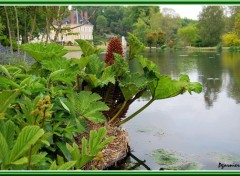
(205, 48)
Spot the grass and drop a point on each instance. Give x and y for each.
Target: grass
(72, 48)
(205, 48)
(77, 48)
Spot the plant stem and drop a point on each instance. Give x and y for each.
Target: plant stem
(119, 111)
(108, 92)
(35, 121)
(136, 113)
(44, 116)
(30, 158)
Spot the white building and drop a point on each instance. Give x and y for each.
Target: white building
(78, 27)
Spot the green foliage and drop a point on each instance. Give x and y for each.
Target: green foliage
(135, 46)
(90, 148)
(231, 39)
(130, 85)
(165, 87)
(58, 98)
(189, 34)
(40, 51)
(17, 155)
(87, 48)
(87, 105)
(101, 24)
(156, 38)
(6, 98)
(211, 25)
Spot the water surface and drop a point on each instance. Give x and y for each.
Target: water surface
(201, 128)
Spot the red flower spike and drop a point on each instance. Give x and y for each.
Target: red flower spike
(114, 46)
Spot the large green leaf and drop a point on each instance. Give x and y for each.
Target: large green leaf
(8, 131)
(38, 158)
(166, 87)
(80, 62)
(4, 150)
(132, 84)
(90, 148)
(87, 48)
(67, 165)
(54, 64)
(5, 71)
(75, 152)
(120, 66)
(6, 98)
(27, 137)
(6, 83)
(148, 66)
(87, 104)
(95, 66)
(135, 46)
(40, 51)
(23, 160)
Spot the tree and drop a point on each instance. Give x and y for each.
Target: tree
(237, 24)
(140, 30)
(170, 22)
(186, 22)
(155, 38)
(230, 39)
(161, 38)
(9, 29)
(211, 25)
(2, 27)
(101, 24)
(188, 34)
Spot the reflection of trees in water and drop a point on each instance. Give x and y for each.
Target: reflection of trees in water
(210, 74)
(211, 89)
(166, 62)
(231, 62)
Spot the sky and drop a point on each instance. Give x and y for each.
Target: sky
(188, 11)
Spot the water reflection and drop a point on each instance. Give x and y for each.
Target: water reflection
(231, 62)
(217, 72)
(210, 71)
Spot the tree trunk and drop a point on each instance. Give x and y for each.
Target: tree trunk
(18, 37)
(25, 36)
(33, 24)
(47, 30)
(9, 29)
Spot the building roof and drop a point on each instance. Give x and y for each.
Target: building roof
(77, 18)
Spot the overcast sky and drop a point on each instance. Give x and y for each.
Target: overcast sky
(188, 11)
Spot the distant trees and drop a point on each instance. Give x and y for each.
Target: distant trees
(189, 34)
(154, 26)
(155, 38)
(101, 24)
(230, 39)
(211, 25)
